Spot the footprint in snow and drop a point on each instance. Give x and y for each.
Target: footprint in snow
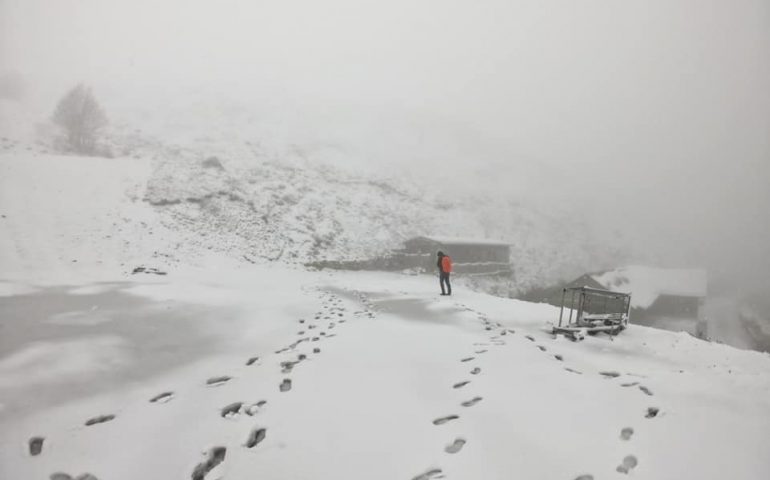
(285, 385)
(631, 384)
(479, 352)
(255, 437)
(542, 348)
(253, 409)
(455, 446)
(429, 475)
(610, 374)
(573, 370)
(461, 384)
(559, 358)
(645, 390)
(473, 401)
(162, 397)
(251, 361)
(64, 476)
(530, 338)
(475, 371)
(217, 381)
(99, 419)
(316, 350)
(652, 412)
(214, 457)
(36, 445)
(288, 365)
(443, 420)
(626, 433)
(585, 477)
(467, 359)
(232, 410)
(629, 462)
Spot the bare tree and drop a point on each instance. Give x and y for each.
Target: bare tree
(81, 117)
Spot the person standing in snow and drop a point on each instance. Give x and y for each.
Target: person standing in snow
(444, 265)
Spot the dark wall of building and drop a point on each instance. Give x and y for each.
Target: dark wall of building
(686, 307)
(420, 254)
(460, 253)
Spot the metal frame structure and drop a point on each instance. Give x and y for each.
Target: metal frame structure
(596, 310)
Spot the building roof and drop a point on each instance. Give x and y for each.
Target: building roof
(461, 241)
(646, 284)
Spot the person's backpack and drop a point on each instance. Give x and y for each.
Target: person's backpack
(446, 264)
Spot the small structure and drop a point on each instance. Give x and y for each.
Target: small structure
(469, 256)
(658, 292)
(592, 310)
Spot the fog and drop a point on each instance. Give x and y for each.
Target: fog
(651, 117)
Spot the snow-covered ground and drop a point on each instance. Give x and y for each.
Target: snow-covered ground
(363, 375)
(226, 369)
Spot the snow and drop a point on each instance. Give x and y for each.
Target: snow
(365, 405)
(648, 283)
(61, 215)
(44, 362)
(375, 383)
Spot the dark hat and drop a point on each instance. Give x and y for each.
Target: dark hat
(440, 253)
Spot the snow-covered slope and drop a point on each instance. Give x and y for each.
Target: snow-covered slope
(221, 194)
(297, 207)
(60, 215)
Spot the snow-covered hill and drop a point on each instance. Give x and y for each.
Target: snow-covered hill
(178, 205)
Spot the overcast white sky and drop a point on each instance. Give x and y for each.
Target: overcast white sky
(649, 113)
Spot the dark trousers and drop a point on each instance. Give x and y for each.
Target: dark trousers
(444, 279)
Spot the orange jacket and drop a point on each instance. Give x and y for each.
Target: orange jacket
(446, 264)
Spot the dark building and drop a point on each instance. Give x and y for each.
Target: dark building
(469, 256)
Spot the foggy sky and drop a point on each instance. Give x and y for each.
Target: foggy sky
(651, 116)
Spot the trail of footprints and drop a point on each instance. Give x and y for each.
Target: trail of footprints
(328, 318)
(628, 463)
(333, 313)
(457, 444)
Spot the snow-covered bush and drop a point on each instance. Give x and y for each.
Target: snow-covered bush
(81, 118)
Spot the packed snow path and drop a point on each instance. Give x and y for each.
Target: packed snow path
(375, 376)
